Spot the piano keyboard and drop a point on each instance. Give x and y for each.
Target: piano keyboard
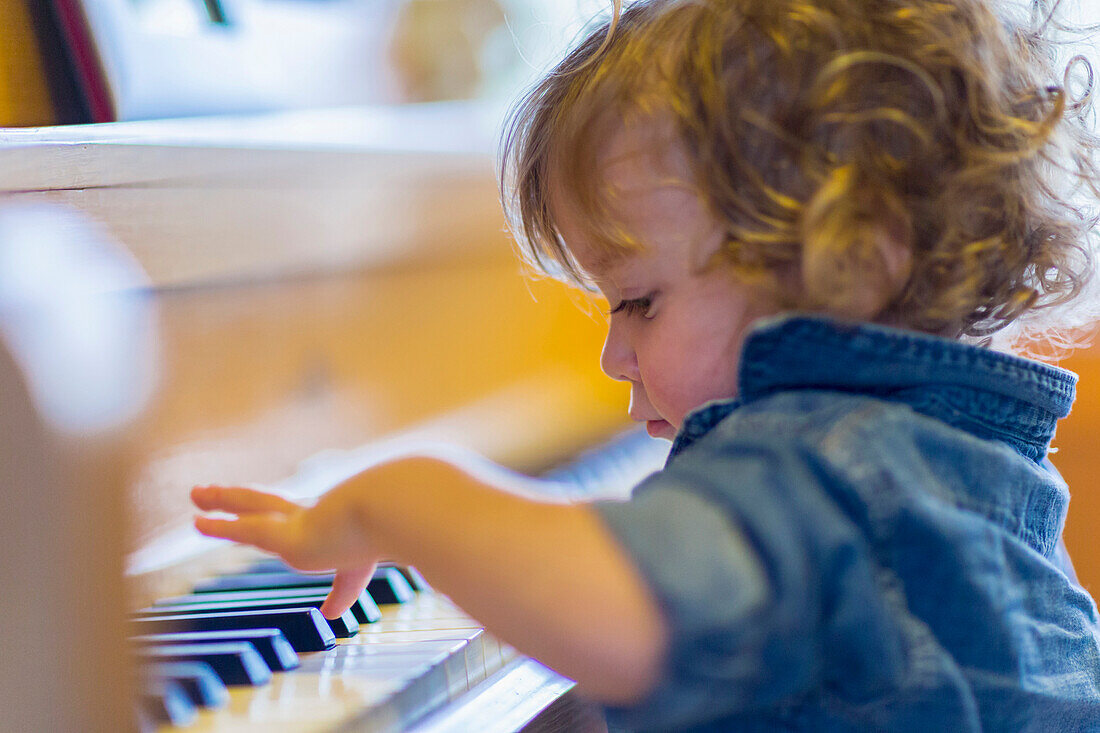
(404, 658)
(419, 654)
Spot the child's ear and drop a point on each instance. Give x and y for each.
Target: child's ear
(887, 277)
(856, 254)
(859, 273)
(895, 248)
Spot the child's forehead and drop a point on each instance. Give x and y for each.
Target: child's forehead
(631, 196)
(619, 148)
(634, 164)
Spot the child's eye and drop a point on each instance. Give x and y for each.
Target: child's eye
(635, 306)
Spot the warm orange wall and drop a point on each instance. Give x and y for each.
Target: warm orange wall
(24, 96)
(1078, 458)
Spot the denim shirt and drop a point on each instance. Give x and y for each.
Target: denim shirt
(866, 538)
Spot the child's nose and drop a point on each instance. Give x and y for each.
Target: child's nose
(618, 359)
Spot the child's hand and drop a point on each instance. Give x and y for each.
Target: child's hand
(308, 538)
(514, 563)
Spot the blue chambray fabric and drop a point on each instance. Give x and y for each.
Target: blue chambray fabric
(866, 539)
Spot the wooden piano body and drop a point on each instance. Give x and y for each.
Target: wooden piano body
(321, 282)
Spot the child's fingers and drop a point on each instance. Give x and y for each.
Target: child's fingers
(267, 532)
(236, 500)
(346, 588)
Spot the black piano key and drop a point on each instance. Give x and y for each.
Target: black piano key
(389, 586)
(198, 679)
(413, 576)
(275, 565)
(365, 609)
(166, 701)
(304, 628)
(270, 643)
(344, 626)
(236, 662)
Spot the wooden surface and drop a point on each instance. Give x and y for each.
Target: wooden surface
(242, 199)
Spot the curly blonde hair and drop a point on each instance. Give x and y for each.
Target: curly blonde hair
(813, 127)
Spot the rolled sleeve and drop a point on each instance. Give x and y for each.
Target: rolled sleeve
(760, 576)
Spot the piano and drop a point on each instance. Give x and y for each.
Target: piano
(322, 286)
(412, 661)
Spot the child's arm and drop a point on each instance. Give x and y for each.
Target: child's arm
(547, 578)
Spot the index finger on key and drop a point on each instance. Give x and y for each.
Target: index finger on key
(346, 587)
(237, 500)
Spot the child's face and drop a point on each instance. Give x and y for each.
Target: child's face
(676, 329)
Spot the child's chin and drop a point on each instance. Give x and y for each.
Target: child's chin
(660, 429)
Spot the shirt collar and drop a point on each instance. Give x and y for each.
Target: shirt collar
(987, 393)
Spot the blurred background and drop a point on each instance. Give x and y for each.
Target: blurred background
(78, 61)
(309, 187)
